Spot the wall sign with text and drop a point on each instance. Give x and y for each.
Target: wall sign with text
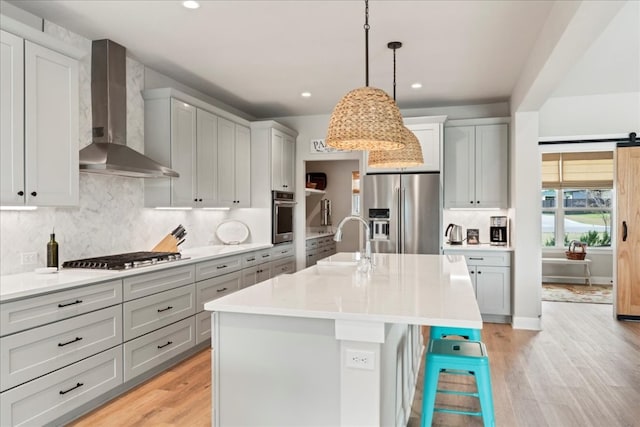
(320, 146)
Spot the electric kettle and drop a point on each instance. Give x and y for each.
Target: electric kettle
(455, 237)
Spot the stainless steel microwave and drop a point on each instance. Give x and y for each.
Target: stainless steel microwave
(282, 219)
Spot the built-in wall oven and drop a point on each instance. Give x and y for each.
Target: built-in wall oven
(282, 216)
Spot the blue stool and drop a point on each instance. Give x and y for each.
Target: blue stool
(469, 356)
(439, 332)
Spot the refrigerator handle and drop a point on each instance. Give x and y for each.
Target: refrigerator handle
(400, 239)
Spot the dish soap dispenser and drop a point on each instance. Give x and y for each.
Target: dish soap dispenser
(52, 251)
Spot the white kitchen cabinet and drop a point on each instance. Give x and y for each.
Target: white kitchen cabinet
(273, 160)
(209, 147)
(282, 161)
(490, 273)
(39, 125)
(191, 150)
(476, 165)
(429, 131)
(234, 164)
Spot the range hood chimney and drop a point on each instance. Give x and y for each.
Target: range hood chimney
(108, 153)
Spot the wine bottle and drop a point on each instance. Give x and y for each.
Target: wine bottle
(52, 252)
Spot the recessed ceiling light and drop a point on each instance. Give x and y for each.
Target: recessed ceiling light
(305, 94)
(191, 4)
(416, 85)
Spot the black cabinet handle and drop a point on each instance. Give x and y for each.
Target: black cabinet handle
(20, 193)
(478, 202)
(78, 301)
(72, 388)
(250, 259)
(479, 272)
(221, 290)
(624, 231)
(160, 310)
(164, 345)
(62, 344)
(221, 266)
(476, 259)
(34, 194)
(471, 201)
(195, 200)
(265, 255)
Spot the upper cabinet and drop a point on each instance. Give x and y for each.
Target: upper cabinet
(208, 147)
(429, 131)
(234, 164)
(283, 157)
(476, 164)
(39, 122)
(273, 160)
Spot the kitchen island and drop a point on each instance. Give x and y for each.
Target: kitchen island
(331, 345)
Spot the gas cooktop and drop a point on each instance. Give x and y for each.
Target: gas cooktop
(124, 261)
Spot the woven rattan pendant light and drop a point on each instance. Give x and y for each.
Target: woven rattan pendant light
(411, 154)
(366, 118)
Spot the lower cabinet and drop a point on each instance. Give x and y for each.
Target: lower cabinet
(490, 273)
(319, 248)
(148, 351)
(49, 397)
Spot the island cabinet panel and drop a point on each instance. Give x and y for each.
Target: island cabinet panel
(217, 267)
(16, 316)
(29, 354)
(155, 311)
(150, 350)
(203, 327)
(49, 397)
(151, 283)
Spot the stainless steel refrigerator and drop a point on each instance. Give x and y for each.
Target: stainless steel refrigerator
(404, 212)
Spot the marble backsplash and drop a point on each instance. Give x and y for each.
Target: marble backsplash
(111, 217)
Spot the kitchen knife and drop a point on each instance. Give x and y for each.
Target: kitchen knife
(175, 231)
(181, 235)
(180, 242)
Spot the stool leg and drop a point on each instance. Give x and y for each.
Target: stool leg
(431, 376)
(483, 383)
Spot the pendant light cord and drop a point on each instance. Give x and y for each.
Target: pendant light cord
(394, 73)
(366, 41)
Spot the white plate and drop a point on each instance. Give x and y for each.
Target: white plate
(232, 232)
(46, 270)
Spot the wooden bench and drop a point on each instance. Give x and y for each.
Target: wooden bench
(565, 261)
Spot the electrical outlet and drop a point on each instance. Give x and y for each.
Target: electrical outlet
(29, 258)
(360, 359)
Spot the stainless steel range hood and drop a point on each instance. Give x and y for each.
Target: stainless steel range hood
(108, 153)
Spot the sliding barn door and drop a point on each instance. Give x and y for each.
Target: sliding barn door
(628, 232)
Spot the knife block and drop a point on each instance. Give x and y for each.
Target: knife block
(168, 244)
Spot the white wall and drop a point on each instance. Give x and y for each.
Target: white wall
(614, 113)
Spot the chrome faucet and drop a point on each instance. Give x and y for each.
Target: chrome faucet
(338, 236)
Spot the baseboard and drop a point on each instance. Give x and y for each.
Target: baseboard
(530, 323)
(579, 280)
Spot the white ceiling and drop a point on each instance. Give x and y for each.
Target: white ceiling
(258, 56)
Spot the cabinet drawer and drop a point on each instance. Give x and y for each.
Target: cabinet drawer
(30, 354)
(282, 251)
(51, 396)
(203, 326)
(218, 267)
(255, 258)
(216, 287)
(142, 354)
(147, 314)
(312, 243)
(151, 283)
(23, 314)
(500, 259)
(287, 266)
(327, 241)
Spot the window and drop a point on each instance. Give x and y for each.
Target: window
(576, 198)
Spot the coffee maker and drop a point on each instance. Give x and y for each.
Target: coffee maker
(499, 230)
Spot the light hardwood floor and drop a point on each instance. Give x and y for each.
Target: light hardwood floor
(582, 369)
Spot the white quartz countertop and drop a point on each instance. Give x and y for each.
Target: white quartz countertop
(23, 285)
(479, 247)
(312, 234)
(401, 288)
